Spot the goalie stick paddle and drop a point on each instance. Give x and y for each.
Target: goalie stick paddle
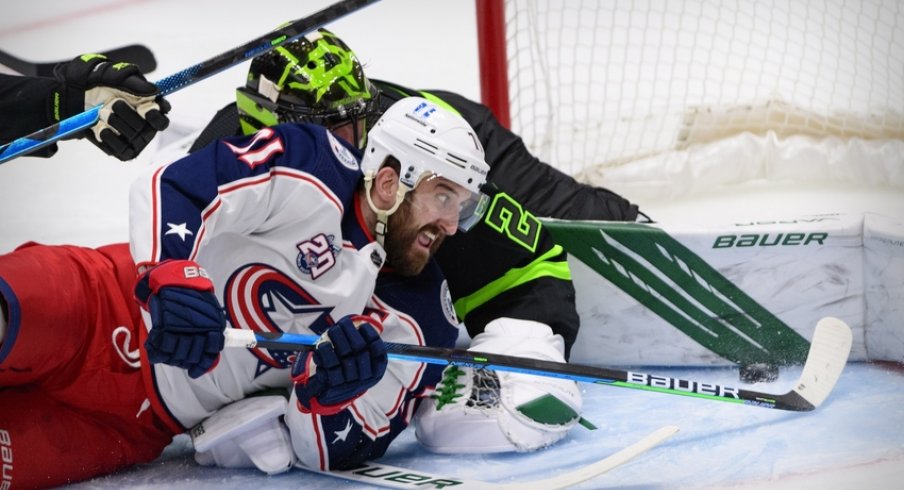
(136, 54)
(177, 81)
(828, 355)
(383, 475)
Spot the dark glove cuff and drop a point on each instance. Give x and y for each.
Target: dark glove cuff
(68, 97)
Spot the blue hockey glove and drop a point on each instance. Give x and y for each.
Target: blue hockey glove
(132, 112)
(348, 360)
(187, 322)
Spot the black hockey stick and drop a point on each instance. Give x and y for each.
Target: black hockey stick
(193, 74)
(828, 355)
(135, 54)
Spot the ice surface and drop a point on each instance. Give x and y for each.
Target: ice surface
(855, 440)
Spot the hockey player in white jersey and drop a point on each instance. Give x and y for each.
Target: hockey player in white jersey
(509, 282)
(275, 231)
(281, 229)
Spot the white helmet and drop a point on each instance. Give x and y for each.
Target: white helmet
(427, 140)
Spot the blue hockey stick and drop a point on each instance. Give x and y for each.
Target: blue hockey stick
(290, 31)
(828, 355)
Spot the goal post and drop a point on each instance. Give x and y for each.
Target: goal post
(493, 67)
(592, 86)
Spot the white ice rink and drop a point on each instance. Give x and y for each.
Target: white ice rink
(856, 440)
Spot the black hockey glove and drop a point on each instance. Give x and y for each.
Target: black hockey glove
(132, 113)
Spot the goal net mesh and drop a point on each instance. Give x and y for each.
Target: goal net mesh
(596, 84)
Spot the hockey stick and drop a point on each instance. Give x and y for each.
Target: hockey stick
(379, 474)
(134, 53)
(828, 355)
(177, 81)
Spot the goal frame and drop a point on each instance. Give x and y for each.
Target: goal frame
(493, 58)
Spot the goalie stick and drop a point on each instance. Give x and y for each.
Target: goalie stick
(384, 475)
(177, 81)
(136, 54)
(828, 355)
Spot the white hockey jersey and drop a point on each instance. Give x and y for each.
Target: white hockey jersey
(273, 219)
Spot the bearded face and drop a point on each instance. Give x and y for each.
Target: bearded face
(420, 224)
(410, 243)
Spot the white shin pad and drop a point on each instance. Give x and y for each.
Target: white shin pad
(248, 433)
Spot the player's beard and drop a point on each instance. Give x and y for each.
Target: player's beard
(403, 253)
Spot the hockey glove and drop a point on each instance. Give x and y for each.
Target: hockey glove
(348, 359)
(481, 411)
(187, 322)
(131, 114)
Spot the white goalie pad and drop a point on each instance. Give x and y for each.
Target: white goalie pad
(248, 433)
(480, 411)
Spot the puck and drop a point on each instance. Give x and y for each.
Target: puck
(758, 372)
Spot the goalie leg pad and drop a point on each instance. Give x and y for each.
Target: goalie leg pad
(479, 411)
(248, 433)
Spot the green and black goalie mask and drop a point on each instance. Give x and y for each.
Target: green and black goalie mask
(315, 79)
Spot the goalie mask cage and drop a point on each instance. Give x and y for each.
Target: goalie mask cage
(593, 85)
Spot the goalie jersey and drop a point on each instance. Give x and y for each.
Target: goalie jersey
(275, 220)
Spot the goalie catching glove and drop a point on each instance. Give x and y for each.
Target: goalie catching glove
(132, 113)
(187, 321)
(481, 411)
(349, 358)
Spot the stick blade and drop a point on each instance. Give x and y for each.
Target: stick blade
(136, 54)
(600, 467)
(829, 351)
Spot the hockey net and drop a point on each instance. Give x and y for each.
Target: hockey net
(594, 86)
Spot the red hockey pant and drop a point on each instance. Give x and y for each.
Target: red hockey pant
(72, 400)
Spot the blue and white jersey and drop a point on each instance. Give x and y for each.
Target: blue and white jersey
(414, 310)
(263, 215)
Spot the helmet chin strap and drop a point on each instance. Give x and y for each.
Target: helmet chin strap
(382, 226)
